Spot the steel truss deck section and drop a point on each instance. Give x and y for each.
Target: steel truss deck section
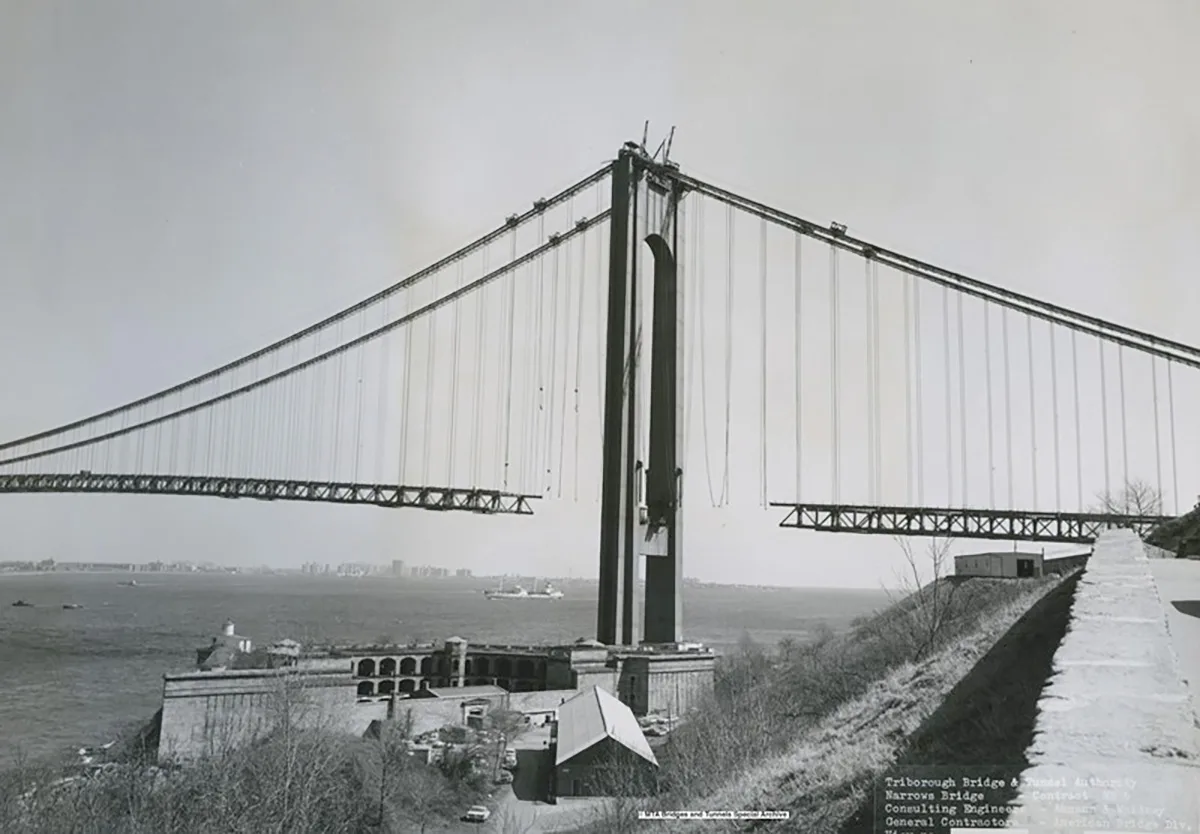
(485, 501)
(1006, 525)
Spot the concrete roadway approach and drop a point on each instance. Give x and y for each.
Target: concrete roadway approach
(1178, 582)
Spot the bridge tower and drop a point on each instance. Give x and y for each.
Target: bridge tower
(640, 512)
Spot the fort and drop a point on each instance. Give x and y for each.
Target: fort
(233, 696)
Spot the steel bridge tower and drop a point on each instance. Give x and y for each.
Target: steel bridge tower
(640, 510)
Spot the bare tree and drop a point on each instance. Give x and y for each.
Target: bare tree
(927, 605)
(1136, 498)
(424, 797)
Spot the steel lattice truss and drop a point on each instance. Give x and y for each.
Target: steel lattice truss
(485, 501)
(1004, 525)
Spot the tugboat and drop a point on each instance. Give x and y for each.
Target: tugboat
(22, 604)
(72, 606)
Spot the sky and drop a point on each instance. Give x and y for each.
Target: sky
(186, 183)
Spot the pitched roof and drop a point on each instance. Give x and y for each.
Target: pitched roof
(593, 715)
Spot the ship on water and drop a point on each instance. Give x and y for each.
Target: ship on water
(518, 592)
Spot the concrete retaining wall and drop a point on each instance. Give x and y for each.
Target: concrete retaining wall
(1115, 740)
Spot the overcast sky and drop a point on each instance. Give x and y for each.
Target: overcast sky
(184, 183)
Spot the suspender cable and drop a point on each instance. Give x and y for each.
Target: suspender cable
(908, 385)
(481, 335)
(712, 489)
(539, 305)
(358, 405)
(834, 310)
(1007, 406)
(687, 289)
(762, 408)
(1104, 417)
(430, 390)
(1124, 424)
(455, 347)
(1174, 458)
(991, 432)
(552, 379)
(1157, 432)
(729, 242)
(920, 439)
(962, 400)
(339, 380)
(583, 265)
(798, 338)
(385, 346)
(1078, 422)
(1032, 412)
(872, 392)
(870, 384)
(1054, 417)
(564, 379)
(510, 292)
(949, 418)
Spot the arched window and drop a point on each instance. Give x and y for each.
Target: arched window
(366, 668)
(387, 667)
(366, 689)
(408, 666)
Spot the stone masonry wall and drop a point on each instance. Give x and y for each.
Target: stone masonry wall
(1115, 738)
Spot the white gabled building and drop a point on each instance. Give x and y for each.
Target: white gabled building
(597, 737)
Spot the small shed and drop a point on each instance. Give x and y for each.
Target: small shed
(599, 748)
(1008, 564)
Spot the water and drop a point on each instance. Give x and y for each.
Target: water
(76, 677)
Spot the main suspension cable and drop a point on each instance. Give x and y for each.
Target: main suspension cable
(409, 281)
(197, 406)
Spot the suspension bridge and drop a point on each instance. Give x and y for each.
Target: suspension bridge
(886, 394)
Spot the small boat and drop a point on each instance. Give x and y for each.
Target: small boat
(22, 604)
(131, 583)
(72, 606)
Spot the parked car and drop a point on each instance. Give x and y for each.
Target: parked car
(477, 813)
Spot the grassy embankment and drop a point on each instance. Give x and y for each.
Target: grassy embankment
(950, 675)
(1180, 535)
